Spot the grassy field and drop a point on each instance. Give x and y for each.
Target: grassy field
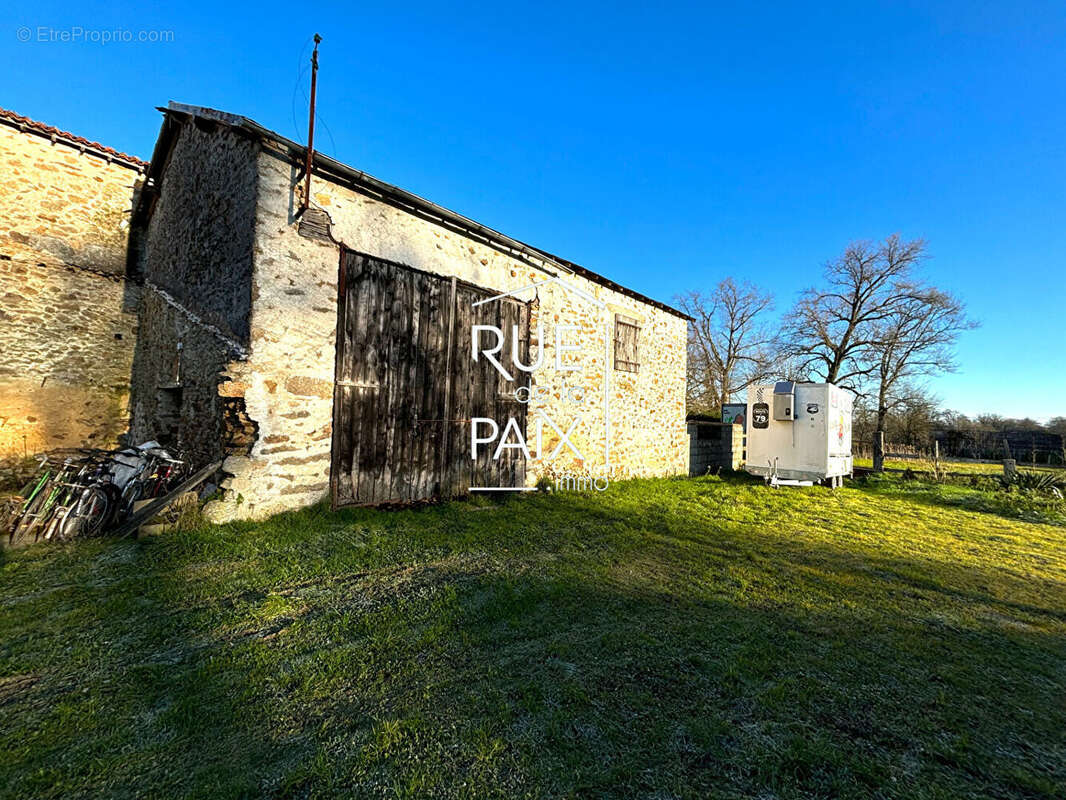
(667, 638)
(949, 465)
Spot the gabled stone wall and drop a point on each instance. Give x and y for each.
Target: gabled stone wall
(287, 379)
(201, 236)
(256, 377)
(197, 255)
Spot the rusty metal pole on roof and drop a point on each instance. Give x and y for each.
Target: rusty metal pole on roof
(311, 125)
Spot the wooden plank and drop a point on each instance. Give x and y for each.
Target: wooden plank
(484, 388)
(445, 475)
(369, 335)
(354, 346)
(157, 505)
(389, 380)
(345, 421)
(464, 375)
(375, 465)
(338, 449)
(499, 470)
(346, 414)
(507, 402)
(420, 325)
(399, 401)
(404, 365)
(457, 464)
(399, 352)
(366, 357)
(425, 414)
(436, 400)
(511, 407)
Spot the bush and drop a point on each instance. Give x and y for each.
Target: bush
(1035, 482)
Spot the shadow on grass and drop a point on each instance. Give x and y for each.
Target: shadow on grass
(557, 647)
(455, 677)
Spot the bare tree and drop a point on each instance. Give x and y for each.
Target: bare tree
(916, 418)
(914, 340)
(910, 419)
(876, 323)
(830, 332)
(730, 346)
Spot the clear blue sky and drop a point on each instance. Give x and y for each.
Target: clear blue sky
(664, 146)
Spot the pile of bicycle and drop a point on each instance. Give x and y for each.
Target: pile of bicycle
(86, 492)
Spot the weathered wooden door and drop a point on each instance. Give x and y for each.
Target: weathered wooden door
(407, 386)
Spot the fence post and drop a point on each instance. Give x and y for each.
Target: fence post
(879, 451)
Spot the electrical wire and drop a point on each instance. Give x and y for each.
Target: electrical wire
(305, 65)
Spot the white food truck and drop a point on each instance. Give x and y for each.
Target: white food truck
(799, 433)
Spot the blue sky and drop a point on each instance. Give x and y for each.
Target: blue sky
(664, 146)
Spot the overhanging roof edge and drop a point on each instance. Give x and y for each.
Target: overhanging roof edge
(453, 217)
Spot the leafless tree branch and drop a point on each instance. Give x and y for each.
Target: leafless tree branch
(730, 346)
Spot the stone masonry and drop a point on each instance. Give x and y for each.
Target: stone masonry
(284, 377)
(68, 317)
(196, 269)
(288, 378)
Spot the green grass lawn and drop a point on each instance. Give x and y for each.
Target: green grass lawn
(949, 465)
(667, 638)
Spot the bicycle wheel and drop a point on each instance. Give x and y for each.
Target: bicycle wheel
(133, 492)
(114, 501)
(87, 515)
(53, 526)
(19, 519)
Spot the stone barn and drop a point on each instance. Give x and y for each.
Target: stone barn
(69, 315)
(368, 345)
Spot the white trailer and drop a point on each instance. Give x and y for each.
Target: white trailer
(799, 433)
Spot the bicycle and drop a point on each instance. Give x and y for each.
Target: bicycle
(93, 500)
(90, 490)
(15, 516)
(158, 475)
(39, 512)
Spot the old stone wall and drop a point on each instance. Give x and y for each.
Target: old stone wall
(179, 383)
(632, 423)
(67, 315)
(194, 316)
(62, 206)
(199, 242)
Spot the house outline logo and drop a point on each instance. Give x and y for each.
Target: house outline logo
(607, 348)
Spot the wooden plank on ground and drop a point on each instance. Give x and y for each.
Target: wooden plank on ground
(136, 520)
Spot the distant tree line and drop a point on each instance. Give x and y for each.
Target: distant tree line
(873, 326)
(920, 421)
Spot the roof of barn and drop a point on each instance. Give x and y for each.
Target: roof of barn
(335, 170)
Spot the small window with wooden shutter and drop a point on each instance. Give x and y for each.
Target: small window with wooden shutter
(626, 336)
